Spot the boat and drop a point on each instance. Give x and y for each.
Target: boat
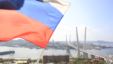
(7, 52)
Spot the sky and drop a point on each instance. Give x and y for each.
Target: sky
(96, 15)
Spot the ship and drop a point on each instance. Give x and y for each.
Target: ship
(7, 52)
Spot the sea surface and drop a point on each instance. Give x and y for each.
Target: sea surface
(21, 52)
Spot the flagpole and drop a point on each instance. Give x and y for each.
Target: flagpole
(41, 56)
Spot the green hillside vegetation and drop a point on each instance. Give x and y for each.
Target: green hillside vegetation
(89, 61)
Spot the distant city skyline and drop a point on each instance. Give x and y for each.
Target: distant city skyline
(96, 15)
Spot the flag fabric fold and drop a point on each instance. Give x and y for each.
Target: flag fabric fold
(34, 22)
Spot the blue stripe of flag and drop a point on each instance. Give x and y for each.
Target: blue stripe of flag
(43, 12)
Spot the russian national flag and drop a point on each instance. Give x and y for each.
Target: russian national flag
(35, 21)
